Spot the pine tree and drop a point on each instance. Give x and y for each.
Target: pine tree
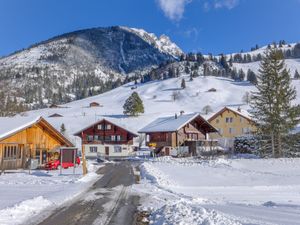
(297, 75)
(241, 75)
(272, 103)
(183, 86)
(251, 77)
(133, 105)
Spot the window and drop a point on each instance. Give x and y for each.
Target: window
(113, 138)
(220, 130)
(90, 138)
(12, 152)
(107, 138)
(100, 127)
(231, 130)
(117, 149)
(246, 130)
(229, 119)
(96, 138)
(118, 137)
(93, 149)
(108, 127)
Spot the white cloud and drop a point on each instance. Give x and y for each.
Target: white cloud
(229, 4)
(173, 9)
(218, 4)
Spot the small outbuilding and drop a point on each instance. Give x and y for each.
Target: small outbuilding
(95, 104)
(55, 115)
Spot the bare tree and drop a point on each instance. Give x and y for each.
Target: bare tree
(207, 109)
(141, 139)
(175, 95)
(247, 98)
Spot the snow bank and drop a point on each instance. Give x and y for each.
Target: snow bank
(24, 195)
(221, 191)
(23, 211)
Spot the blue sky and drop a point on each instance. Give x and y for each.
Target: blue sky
(209, 26)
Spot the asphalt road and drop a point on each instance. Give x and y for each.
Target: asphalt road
(107, 202)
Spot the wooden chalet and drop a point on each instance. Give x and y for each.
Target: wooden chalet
(167, 133)
(106, 138)
(23, 138)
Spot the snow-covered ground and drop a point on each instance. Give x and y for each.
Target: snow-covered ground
(222, 191)
(24, 195)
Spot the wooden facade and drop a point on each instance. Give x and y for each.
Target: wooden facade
(192, 130)
(33, 141)
(104, 135)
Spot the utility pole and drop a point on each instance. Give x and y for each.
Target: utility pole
(84, 168)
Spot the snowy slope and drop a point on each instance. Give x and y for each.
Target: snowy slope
(291, 64)
(157, 101)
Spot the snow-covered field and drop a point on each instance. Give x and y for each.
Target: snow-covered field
(24, 195)
(222, 191)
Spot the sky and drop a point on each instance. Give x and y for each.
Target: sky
(207, 26)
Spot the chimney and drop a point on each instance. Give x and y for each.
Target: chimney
(239, 109)
(176, 116)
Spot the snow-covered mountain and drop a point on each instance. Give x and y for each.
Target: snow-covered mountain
(82, 63)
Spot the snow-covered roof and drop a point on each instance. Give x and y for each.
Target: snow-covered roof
(170, 124)
(11, 125)
(238, 110)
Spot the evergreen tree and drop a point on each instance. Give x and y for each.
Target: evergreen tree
(133, 105)
(251, 77)
(183, 86)
(272, 103)
(297, 75)
(241, 75)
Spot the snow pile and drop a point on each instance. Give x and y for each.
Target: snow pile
(23, 211)
(157, 175)
(183, 212)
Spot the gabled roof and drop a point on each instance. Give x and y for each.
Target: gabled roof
(12, 125)
(78, 133)
(172, 124)
(241, 112)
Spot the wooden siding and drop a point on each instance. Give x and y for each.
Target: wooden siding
(174, 139)
(29, 140)
(105, 134)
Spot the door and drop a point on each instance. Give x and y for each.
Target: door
(167, 151)
(106, 150)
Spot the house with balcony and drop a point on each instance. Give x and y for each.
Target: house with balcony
(185, 132)
(106, 139)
